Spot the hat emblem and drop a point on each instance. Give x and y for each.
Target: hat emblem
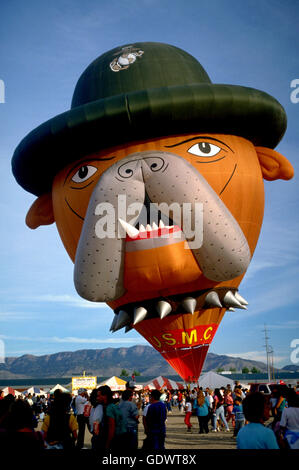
(127, 57)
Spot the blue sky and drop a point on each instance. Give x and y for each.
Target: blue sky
(45, 46)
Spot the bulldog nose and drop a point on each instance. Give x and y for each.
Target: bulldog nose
(154, 164)
(149, 164)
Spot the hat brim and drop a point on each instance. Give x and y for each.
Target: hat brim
(156, 112)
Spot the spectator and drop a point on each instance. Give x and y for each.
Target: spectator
(188, 414)
(130, 414)
(168, 401)
(20, 434)
(80, 401)
(60, 426)
(229, 402)
(5, 406)
(112, 428)
(255, 435)
(218, 411)
(155, 422)
(95, 419)
(239, 418)
(280, 405)
(201, 406)
(180, 399)
(289, 422)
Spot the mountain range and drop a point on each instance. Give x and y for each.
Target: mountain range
(107, 362)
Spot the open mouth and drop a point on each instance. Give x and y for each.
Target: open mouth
(130, 314)
(151, 224)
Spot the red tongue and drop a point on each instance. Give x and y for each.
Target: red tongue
(155, 233)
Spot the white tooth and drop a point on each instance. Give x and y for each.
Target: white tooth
(113, 324)
(189, 304)
(139, 314)
(212, 300)
(155, 226)
(148, 228)
(130, 230)
(231, 309)
(142, 228)
(230, 301)
(122, 320)
(241, 299)
(163, 308)
(161, 224)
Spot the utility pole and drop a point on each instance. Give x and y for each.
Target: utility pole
(269, 353)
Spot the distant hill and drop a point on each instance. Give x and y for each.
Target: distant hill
(107, 362)
(291, 368)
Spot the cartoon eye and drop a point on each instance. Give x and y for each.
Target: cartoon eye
(84, 173)
(204, 149)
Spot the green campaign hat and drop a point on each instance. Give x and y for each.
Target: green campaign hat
(140, 91)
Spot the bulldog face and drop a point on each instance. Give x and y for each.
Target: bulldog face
(150, 255)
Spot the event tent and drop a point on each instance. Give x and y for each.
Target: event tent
(59, 387)
(115, 383)
(35, 390)
(10, 390)
(163, 382)
(212, 380)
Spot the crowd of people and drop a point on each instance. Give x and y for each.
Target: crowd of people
(112, 419)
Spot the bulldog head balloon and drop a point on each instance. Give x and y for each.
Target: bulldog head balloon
(154, 178)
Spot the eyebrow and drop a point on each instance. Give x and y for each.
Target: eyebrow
(83, 161)
(199, 137)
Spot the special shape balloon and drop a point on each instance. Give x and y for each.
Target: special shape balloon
(155, 181)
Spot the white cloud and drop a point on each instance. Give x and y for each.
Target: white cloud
(288, 325)
(67, 299)
(76, 340)
(257, 356)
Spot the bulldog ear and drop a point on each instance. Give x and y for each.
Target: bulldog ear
(274, 165)
(41, 212)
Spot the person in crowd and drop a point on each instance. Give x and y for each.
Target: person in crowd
(210, 400)
(1, 394)
(289, 422)
(218, 411)
(29, 399)
(168, 401)
(280, 405)
(201, 406)
(112, 426)
(95, 419)
(188, 414)
(238, 392)
(19, 433)
(5, 406)
(179, 400)
(273, 401)
(80, 401)
(229, 402)
(239, 418)
(255, 435)
(60, 426)
(131, 417)
(155, 422)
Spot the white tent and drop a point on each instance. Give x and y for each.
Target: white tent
(163, 382)
(12, 391)
(59, 387)
(213, 380)
(35, 390)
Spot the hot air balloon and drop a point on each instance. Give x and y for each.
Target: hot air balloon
(154, 178)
